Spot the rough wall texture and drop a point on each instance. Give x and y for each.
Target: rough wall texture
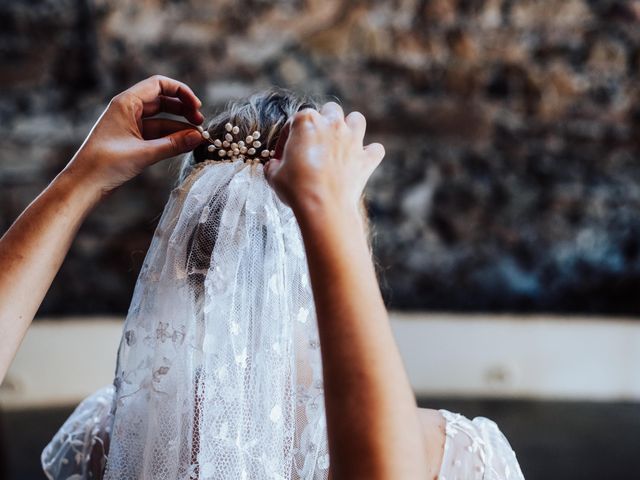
(512, 129)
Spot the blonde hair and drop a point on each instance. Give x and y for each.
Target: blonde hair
(265, 111)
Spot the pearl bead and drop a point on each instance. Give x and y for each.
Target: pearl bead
(200, 129)
(256, 134)
(256, 144)
(251, 151)
(228, 137)
(206, 135)
(236, 151)
(243, 149)
(235, 130)
(228, 127)
(272, 153)
(265, 153)
(225, 144)
(234, 145)
(222, 153)
(249, 139)
(211, 148)
(217, 142)
(241, 143)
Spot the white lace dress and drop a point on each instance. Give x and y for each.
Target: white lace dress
(476, 449)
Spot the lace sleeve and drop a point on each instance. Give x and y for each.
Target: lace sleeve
(78, 450)
(476, 449)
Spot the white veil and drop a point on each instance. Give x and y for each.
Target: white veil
(219, 370)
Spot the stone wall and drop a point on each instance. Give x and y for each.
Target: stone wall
(512, 130)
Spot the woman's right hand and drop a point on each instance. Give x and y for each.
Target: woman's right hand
(125, 139)
(320, 169)
(320, 160)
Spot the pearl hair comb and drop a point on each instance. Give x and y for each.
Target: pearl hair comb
(232, 148)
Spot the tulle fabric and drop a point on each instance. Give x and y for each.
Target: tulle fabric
(219, 373)
(473, 450)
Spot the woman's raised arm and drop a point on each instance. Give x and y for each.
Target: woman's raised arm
(121, 144)
(320, 169)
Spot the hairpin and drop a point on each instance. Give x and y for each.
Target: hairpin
(231, 148)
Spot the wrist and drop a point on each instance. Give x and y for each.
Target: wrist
(77, 187)
(318, 210)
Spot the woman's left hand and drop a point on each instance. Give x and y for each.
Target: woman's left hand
(125, 140)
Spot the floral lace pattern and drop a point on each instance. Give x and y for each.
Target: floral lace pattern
(78, 450)
(476, 450)
(219, 373)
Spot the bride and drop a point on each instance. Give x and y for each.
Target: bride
(257, 344)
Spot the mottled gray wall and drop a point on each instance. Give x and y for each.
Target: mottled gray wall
(511, 180)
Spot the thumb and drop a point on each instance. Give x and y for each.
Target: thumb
(174, 144)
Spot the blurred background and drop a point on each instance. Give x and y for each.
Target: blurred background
(506, 213)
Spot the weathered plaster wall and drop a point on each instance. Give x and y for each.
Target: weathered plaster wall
(512, 179)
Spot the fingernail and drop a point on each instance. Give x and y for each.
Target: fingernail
(193, 139)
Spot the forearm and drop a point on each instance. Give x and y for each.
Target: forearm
(124, 141)
(371, 411)
(31, 253)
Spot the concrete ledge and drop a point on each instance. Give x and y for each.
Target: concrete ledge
(61, 361)
(535, 357)
(538, 357)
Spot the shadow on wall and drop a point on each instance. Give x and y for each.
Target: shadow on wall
(511, 180)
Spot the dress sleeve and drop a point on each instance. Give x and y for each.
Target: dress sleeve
(78, 451)
(476, 449)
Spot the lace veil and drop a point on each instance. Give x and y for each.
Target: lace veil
(219, 370)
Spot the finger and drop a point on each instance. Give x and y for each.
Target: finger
(332, 111)
(303, 122)
(270, 169)
(375, 153)
(357, 123)
(171, 145)
(282, 139)
(153, 128)
(163, 104)
(147, 90)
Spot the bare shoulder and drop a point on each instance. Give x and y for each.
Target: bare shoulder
(433, 430)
